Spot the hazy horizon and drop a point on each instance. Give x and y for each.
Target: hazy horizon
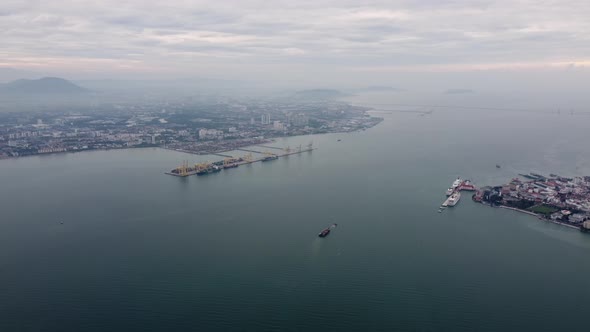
(322, 43)
(535, 53)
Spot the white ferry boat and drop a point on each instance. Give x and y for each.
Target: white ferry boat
(454, 199)
(456, 183)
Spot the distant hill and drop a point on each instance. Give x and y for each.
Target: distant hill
(319, 94)
(46, 85)
(379, 88)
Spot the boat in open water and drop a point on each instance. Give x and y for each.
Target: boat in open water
(327, 231)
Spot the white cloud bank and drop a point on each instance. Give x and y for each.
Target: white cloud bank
(272, 39)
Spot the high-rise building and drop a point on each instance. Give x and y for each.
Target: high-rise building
(265, 119)
(277, 125)
(300, 120)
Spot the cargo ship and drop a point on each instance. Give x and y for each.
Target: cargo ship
(327, 231)
(209, 170)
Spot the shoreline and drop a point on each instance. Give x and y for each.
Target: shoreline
(79, 151)
(538, 216)
(270, 140)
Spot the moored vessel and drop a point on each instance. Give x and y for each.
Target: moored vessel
(454, 199)
(467, 185)
(208, 170)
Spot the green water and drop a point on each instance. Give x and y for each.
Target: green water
(142, 251)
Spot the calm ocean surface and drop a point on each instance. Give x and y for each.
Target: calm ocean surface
(238, 251)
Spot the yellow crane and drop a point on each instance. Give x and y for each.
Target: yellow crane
(202, 166)
(228, 161)
(183, 169)
(248, 157)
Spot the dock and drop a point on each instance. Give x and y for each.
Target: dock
(464, 185)
(221, 155)
(232, 162)
(253, 151)
(270, 147)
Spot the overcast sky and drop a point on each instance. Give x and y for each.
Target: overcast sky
(291, 39)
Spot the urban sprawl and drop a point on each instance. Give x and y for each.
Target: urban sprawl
(196, 127)
(558, 199)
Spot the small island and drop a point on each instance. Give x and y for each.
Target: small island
(561, 200)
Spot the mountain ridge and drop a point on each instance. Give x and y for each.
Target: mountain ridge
(45, 85)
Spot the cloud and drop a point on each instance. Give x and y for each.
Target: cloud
(179, 36)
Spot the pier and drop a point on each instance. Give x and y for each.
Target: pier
(232, 162)
(458, 186)
(221, 155)
(270, 147)
(253, 151)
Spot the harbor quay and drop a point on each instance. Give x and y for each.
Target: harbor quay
(205, 168)
(454, 193)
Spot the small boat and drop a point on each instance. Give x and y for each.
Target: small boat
(498, 166)
(339, 140)
(327, 231)
(450, 191)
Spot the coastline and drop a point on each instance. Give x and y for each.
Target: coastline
(268, 140)
(538, 216)
(377, 121)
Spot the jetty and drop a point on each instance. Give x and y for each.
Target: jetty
(186, 169)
